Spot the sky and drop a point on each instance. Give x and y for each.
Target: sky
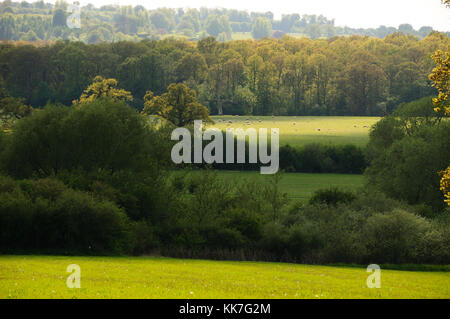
(352, 13)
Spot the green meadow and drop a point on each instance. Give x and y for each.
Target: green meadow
(301, 130)
(154, 277)
(298, 186)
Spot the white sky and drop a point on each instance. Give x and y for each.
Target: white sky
(353, 13)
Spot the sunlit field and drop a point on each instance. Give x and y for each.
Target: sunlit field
(297, 131)
(149, 277)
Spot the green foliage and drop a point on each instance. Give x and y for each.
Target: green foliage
(179, 105)
(48, 22)
(59, 18)
(396, 236)
(262, 28)
(102, 134)
(349, 76)
(319, 158)
(398, 158)
(103, 88)
(46, 216)
(332, 196)
(12, 109)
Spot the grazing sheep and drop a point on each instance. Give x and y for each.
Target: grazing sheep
(318, 129)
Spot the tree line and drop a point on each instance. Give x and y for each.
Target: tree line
(47, 22)
(339, 76)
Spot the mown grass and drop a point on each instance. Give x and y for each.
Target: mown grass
(297, 186)
(152, 277)
(298, 131)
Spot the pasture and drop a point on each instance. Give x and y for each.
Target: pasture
(155, 278)
(301, 130)
(299, 186)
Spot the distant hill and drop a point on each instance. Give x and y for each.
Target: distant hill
(39, 21)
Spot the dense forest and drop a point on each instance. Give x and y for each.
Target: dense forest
(353, 75)
(43, 21)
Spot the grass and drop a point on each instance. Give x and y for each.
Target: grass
(241, 36)
(333, 129)
(298, 186)
(153, 277)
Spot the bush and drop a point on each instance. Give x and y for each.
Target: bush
(393, 237)
(407, 168)
(46, 216)
(102, 134)
(332, 196)
(319, 158)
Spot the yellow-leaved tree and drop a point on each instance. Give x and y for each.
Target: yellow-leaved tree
(445, 185)
(441, 81)
(103, 88)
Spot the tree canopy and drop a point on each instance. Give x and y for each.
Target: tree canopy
(178, 105)
(103, 88)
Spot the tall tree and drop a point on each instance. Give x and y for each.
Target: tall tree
(178, 105)
(103, 88)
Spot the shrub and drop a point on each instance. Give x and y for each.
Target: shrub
(319, 158)
(332, 196)
(101, 135)
(392, 237)
(405, 161)
(46, 216)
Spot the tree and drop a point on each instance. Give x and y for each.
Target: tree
(213, 26)
(445, 185)
(295, 77)
(216, 25)
(178, 105)
(262, 28)
(59, 18)
(103, 134)
(12, 109)
(364, 85)
(103, 88)
(441, 81)
(160, 21)
(191, 65)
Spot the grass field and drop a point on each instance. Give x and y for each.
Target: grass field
(298, 131)
(241, 36)
(298, 185)
(151, 277)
